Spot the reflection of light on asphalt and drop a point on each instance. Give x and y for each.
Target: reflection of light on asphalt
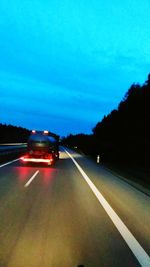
(63, 155)
(23, 173)
(48, 176)
(75, 155)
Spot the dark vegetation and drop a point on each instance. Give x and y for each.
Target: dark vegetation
(123, 136)
(13, 134)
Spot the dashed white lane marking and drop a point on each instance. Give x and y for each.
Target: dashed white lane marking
(31, 179)
(7, 163)
(140, 254)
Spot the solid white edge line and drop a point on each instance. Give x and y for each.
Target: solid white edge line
(31, 179)
(7, 163)
(140, 254)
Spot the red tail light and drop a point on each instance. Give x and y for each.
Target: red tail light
(28, 159)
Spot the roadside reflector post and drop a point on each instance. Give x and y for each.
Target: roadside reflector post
(98, 158)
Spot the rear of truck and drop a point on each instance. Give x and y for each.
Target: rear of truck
(42, 147)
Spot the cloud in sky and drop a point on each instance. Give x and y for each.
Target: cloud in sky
(68, 63)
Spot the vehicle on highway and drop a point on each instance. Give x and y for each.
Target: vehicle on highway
(42, 147)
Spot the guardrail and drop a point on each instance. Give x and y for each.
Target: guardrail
(14, 146)
(11, 150)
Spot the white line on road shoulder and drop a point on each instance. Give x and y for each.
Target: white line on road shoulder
(7, 163)
(31, 179)
(133, 244)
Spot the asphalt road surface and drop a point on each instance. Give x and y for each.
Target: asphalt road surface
(74, 213)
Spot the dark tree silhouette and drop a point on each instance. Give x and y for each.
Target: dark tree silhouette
(124, 134)
(128, 128)
(10, 134)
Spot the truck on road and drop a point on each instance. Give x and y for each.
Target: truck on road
(42, 147)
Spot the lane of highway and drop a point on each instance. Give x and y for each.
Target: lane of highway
(129, 238)
(131, 204)
(57, 221)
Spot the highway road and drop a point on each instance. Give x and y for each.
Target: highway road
(74, 213)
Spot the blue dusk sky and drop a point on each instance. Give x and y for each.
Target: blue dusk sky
(64, 64)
